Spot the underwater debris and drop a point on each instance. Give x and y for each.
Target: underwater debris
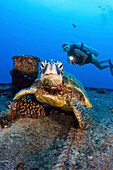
(24, 72)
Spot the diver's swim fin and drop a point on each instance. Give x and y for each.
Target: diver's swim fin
(111, 67)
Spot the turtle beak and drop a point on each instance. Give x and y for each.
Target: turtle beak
(51, 75)
(51, 80)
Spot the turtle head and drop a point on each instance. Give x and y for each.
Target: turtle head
(51, 73)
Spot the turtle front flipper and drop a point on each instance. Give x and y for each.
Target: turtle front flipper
(81, 112)
(31, 90)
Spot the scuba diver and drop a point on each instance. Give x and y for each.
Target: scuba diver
(79, 53)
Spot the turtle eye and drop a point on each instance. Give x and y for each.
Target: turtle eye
(42, 64)
(60, 65)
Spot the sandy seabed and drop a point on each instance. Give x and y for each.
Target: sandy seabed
(56, 141)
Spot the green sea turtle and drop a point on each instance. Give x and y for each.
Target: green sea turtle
(60, 89)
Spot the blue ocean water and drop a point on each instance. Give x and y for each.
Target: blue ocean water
(40, 27)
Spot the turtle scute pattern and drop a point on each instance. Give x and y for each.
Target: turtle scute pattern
(73, 82)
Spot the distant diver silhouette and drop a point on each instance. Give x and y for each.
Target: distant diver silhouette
(74, 25)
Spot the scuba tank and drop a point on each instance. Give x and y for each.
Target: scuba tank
(86, 48)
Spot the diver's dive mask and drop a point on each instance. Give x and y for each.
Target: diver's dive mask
(66, 48)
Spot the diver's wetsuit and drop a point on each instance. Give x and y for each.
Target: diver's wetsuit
(79, 59)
